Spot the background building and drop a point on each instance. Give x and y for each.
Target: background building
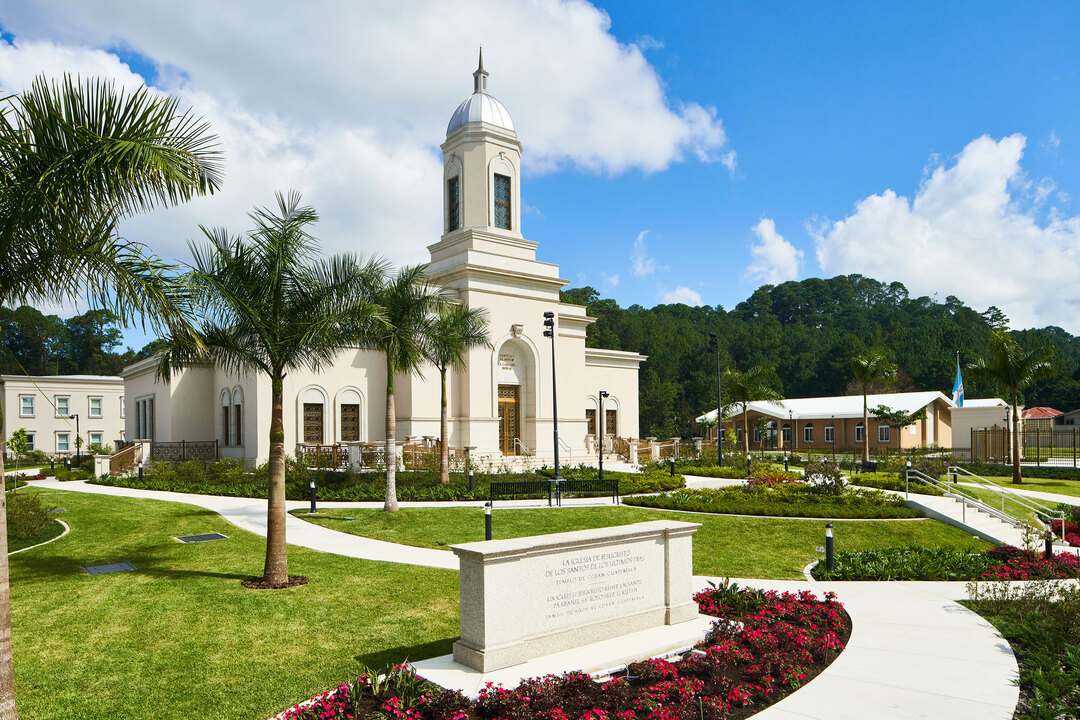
(43, 406)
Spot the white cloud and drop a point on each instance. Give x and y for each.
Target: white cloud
(681, 294)
(642, 263)
(1051, 141)
(610, 281)
(348, 102)
(775, 259)
(970, 231)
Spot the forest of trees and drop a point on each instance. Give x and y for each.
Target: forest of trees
(806, 332)
(38, 344)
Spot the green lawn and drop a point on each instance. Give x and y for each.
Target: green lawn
(1061, 487)
(724, 546)
(180, 638)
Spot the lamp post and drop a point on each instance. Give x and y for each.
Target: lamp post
(794, 434)
(78, 437)
(549, 331)
(603, 394)
(715, 348)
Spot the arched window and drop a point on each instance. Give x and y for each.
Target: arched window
(859, 429)
(830, 432)
(350, 415)
(808, 433)
(883, 432)
(238, 416)
(226, 436)
(312, 411)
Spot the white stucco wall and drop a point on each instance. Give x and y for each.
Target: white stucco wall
(46, 423)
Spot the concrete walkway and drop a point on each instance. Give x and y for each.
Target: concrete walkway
(913, 653)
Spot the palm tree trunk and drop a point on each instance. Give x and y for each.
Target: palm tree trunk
(1016, 442)
(276, 571)
(391, 504)
(865, 430)
(7, 668)
(444, 444)
(745, 430)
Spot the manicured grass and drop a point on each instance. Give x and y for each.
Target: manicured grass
(1012, 507)
(1061, 487)
(180, 638)
(47, 533)
(724, 546)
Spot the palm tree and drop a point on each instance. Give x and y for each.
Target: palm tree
(409, 303)
(1014, 369)
(870, 368)
(454, 331)
(746, 387)
(269, 306)
(75, 158)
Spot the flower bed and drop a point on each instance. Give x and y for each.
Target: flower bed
(1072, 527)
(918, 563)
(767, 645)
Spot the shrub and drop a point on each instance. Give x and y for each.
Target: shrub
(920, 563)
(789, 500)
(882, 481)
(825, 477)
(27, 518)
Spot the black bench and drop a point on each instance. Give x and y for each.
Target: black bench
(868, 466)
(519, 488)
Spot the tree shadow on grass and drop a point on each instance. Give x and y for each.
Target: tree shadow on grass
(392, 656)
(59, 565)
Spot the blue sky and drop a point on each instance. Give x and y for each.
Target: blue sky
(673, 151)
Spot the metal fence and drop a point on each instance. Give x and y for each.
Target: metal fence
(1057, 447)
(184, 450)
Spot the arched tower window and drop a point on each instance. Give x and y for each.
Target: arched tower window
(502, 202)
(453, 204)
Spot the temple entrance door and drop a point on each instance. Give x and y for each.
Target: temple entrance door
(509, 418)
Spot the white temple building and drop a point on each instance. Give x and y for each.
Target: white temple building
(501, 404)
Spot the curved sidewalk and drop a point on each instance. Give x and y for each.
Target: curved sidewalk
(913, 653)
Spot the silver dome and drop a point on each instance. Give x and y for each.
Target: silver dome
(480, 107)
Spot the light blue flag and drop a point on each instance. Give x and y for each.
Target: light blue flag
(958, 388)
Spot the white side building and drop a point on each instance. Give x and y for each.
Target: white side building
(502, 404)
(46, 406)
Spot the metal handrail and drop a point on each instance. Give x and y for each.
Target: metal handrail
(564, 446)
(519, 444)
(963, 497)
(1047, 514)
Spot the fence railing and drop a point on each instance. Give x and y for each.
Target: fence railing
(184, 450)
(1058, 447)
(124, 461)
(323, 456)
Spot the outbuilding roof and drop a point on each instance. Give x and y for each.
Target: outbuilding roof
(842, 406)
(1037, 413)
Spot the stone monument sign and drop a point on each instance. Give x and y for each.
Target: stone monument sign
(534, 596)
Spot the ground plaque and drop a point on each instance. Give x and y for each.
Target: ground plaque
(205, 537)
(534, 596)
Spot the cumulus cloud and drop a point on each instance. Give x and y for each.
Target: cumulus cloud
(775, 259)
(971, 231)
(349, 102)
(681, 294)
(610, 281)
(642, 263)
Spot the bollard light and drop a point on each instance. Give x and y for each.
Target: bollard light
(472, 481)
(749, 458)
(1048, 553)
(828, 547)
(671, 466)
(785, 463)
(487, 520)
(140, 471)
(311, 485)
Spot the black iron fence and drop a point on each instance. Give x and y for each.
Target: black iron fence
(184, 450)
(1058, 447)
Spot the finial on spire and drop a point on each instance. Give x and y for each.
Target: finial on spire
(481, 75)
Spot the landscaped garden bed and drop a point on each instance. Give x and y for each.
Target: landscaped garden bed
(791, 500)
(889, 481)
(948, 563)
(766, 645)
(229, 477)
(1041, 621)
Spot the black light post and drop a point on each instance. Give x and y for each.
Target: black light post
(715, 348)
(794, 434)
(828, 547)
(487, 520)
(78, 438)
(603, 394)
(312, 511)
(549, 325)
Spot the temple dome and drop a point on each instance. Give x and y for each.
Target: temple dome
(480, 107)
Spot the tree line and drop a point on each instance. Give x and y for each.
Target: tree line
(805, 334)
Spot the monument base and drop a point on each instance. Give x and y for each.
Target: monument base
(592, 658)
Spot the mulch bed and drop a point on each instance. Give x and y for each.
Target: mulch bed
(259, 583)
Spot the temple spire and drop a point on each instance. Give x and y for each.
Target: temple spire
(480, 76)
